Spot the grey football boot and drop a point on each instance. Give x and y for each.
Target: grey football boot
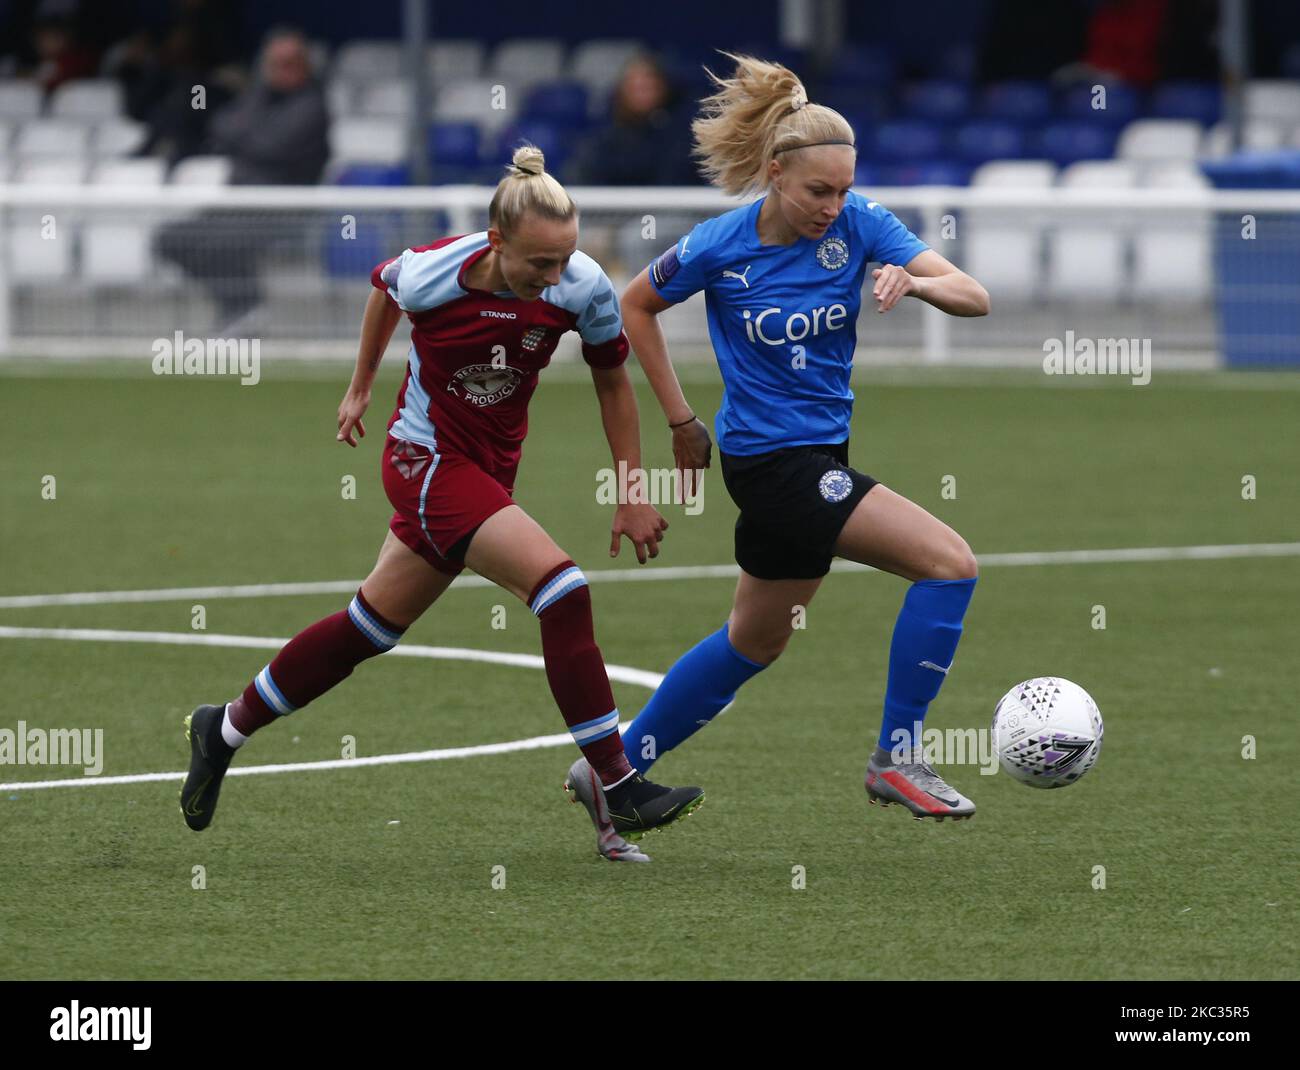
(913, 783)
(630, 809)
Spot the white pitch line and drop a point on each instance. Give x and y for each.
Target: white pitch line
(622, 673)
(651, 574)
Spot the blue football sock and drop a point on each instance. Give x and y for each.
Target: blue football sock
(920, 655)
(702, 682)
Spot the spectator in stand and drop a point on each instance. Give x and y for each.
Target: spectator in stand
(60, 54)
(275, 134)
(645, 144)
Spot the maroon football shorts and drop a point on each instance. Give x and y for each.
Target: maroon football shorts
(441, 499)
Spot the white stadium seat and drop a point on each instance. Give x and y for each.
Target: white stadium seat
(1258, 135)
(455, 61)
(1171, 255)
(1087, 261)
(1159, 139)
(375, 140)
(341, 96)
(201, 171)
(50, 171)
(52, 137)
(1005, 254)
(115, 252)
(137, 173)
(522, 62)
(87, 98)
(472, 102)
(118, 137)
(389, 98)
(19, 99)
(1277, 100)
(368, 61)
(1023, 174)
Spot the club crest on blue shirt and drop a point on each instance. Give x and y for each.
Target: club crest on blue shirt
(835, 485)
(833, 253)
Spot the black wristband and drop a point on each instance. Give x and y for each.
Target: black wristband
(683, 423)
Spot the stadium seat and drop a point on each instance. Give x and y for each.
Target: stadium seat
(140, 172)
(116, 252)
(1087, 260)
(388, 99)
(906, 141)
(453, 60)
(999, 247)
(201, 171)
(561, 103)
(118, 137)
(1024, 174)
(372, 140)
(938, 173)
(1277, 100)
(1258, 135)
(522, 62)
(472, 101)
(1159, 139)
(371, 174)
(861, 66)
(1024, 102)
(981, 140)
(455, 149)
(36, 257)
(1122, 104)
(599, 64)
(367, 61)
(19, 99)
(50, 171)
(1067, 141)
(1171, 254)
(52, 137)
(939, 100)
(341, 97)
(1201, 101)
(555, 142)
(88, 99)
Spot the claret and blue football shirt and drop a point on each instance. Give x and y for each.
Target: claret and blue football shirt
(783, 318)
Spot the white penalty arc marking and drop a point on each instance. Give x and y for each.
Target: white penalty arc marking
(1121, 555)
(622, 673)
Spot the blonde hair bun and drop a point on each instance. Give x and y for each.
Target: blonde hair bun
(529, 160)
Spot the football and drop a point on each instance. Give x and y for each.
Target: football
(1047, 732)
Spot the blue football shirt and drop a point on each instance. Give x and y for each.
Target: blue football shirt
(783, 318)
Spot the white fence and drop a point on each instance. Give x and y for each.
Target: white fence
(105, 270)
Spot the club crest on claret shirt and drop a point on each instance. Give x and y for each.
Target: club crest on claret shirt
(484, 384)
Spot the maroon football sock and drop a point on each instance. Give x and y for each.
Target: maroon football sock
(312, 662)
(576, 670)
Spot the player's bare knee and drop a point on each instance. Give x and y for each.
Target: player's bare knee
(957, 563)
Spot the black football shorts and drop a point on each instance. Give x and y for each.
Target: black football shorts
(793, 504)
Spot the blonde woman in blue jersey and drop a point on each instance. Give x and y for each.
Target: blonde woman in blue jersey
(783, 280)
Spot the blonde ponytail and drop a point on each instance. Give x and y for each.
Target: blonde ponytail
(762, 110)
(527, 188)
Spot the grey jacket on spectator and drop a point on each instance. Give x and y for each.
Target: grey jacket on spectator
(274, 138)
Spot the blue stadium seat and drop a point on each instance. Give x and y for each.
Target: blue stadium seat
(1067, 141)
(981, 140)
(555, 142)
(1026, 102)
(866, 173)
(1202, 101)
(906, 141)
(1123, 104)
(861, 66)
(561, 103)
(941, 173)
(862, 106)
(377, 237)
(454, 144)
(374, 174)
(941, 100)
